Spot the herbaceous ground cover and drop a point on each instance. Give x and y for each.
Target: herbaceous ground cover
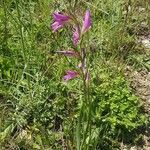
(65, 71)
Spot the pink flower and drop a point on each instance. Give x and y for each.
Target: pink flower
(56, 25)
(87, 22)
(69, 53)
(60, 17)
(59, 21)
(70, 75)
(76, 35)
(85, 27)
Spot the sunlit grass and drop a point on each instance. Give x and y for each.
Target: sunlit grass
(37, 109)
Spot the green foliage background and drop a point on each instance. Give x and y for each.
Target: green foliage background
(39, 111)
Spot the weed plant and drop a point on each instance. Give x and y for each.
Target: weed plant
(37, 109)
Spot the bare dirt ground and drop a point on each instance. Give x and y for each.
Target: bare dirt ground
(140, 82)
(141, 85)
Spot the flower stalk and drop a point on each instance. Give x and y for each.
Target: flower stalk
(83, 71)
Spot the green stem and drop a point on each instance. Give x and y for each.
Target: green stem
(5, 40)
(21, 33)
(88, 127)
(86, 95)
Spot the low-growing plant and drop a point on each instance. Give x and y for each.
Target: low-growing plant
(61, 87)
(112, 104)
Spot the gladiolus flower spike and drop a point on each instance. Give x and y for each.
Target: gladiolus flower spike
(59, 21)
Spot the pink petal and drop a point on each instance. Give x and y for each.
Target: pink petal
(76, 36)
(70, 75)
(87, 21)
(56, 25)
(68, 53)
(59, 21)
(60, 17)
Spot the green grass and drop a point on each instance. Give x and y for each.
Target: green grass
(39, 111)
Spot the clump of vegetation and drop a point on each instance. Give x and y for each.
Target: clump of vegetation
(92, 106)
